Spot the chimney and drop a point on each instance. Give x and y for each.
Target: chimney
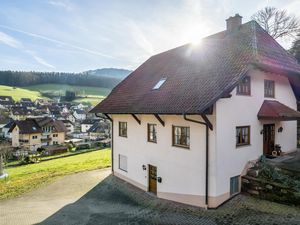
(233, 22)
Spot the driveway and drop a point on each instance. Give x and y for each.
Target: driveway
(37, 205)
(97, 198)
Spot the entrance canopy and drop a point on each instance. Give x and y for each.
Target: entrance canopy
(274, 110)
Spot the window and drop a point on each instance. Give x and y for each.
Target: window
(244, 87)
(34, 137)
(234, 185)
(181, 136)
(123, 162)
(55, 135)
(152, 133)
(123, 129)
(55, 142)
(269, 88)
(242, 135)
(159, 83)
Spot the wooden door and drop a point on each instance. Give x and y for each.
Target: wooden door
(269, 138)
(152, 179)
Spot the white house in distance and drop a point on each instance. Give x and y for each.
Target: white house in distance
(187, 122)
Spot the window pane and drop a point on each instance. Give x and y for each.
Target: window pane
(181, 136)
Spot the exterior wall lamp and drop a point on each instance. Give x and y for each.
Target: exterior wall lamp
(144, 167)
(280, 129)
(262, 131)
(159, 179)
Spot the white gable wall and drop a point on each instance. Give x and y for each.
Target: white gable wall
(182, 170)
(242, 111)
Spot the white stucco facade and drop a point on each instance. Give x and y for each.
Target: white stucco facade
(183, 170)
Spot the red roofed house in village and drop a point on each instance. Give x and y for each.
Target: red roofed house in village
(187, 121)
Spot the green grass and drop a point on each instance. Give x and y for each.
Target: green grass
(81, 90)
(94, 100)
(25, 178)
(18, 93)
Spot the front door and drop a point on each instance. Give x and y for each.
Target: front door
(269, 138)
(152, 179)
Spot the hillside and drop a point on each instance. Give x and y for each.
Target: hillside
(18, 93)
(105, 78)
(109, 72)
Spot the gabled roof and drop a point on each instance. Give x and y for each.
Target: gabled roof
(196, 77)
(98, 127)
(28, 126)
(274, 110)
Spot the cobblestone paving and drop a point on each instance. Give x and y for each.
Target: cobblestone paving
(115, 202)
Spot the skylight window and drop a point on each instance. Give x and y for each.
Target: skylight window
(159, 83)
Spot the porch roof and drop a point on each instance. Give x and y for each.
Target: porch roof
(274, 110)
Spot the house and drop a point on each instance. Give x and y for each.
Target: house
(6, 102)
(38, 132)
(86, 125)
(20, 113)
(69, 126)
(99, 130)
(188, 121)
(5, 130)
(26, 134)
(79, 114)
(26, 102)
(54, 131)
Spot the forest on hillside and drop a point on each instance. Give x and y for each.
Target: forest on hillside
(22, 79)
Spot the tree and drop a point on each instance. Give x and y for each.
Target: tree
(278, 23)
(5, 147)
(70, 96)
(295, 50)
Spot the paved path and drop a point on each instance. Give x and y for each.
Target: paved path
(94, 197)
(36, 206)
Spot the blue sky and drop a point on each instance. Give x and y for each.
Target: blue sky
(78, 35)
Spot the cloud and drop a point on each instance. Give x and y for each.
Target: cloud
(39, 59)
(58, 42)
(61, 4)
(14, 43)
(9, 40)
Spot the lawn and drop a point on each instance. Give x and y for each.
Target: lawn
(18, 93)
(25, 178)
(80, 90)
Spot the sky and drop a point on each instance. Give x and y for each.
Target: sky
(79, 35)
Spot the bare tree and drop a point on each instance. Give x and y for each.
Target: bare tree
(5, 147)
(278, 23)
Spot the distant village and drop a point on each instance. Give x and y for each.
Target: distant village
(51, 126)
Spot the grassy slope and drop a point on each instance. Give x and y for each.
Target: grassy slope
(18, 93)
(25, 178)
(82, 90)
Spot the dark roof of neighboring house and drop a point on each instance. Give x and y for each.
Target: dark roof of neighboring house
(98, 127)
(19, 110)
(25, 100)
(35, 125)
(275, 110)
(57, 125)
(79, 111)
(6, 98)
(89, 121)
(67, 121)
(9, 124)
(196, 77)
(28, 126)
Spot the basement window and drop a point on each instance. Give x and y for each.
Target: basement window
(234, 185)
(159, 83)
(123, 162)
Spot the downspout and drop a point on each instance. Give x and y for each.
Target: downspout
(206, 156)
(112, 139)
